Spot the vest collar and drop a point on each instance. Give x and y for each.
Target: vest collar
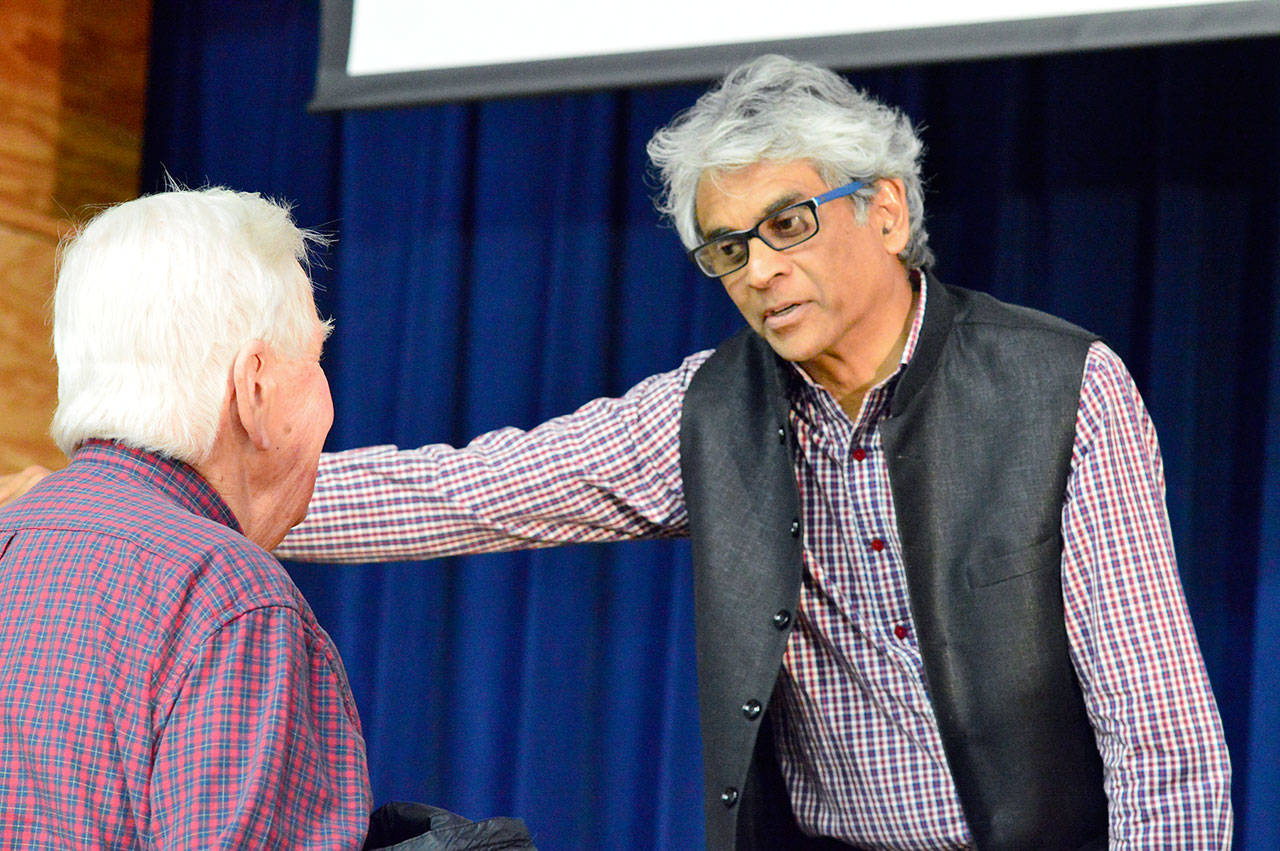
(938, 315)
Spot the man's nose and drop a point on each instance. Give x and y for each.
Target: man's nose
(764, 263)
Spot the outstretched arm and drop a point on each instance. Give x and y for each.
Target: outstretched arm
(609, 471)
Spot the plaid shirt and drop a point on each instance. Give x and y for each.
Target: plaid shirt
(163, 684)
(857, 738)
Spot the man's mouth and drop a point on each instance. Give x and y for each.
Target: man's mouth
(779, 312)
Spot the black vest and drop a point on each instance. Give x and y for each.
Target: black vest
(978, 443)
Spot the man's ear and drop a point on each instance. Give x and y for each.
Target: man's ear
(889, 214)
(251, 387)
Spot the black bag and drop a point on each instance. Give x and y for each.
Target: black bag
(401, 826)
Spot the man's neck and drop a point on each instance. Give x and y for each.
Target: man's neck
(235, 472)
(849, 379)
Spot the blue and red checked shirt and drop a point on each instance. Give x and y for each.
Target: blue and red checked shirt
(163, 684)
(857, 738)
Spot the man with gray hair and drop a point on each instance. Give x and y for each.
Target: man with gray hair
(162, 681)
(937, 601)
(936, 597)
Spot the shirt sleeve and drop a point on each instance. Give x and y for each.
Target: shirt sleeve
(262, 747)
(609, 471)
(1165, 758)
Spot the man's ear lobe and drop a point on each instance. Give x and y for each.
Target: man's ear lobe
(252, 392)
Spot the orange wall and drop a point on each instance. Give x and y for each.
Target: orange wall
(72, 92)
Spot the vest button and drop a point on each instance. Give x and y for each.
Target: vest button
(782, 619)
(782, 434)
(729, 796)
(795, 528)
(752, 709)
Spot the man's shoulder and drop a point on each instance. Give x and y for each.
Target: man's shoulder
(96, 503)
(743, 374)
(218, 567)
(744, 350)
(979, 309)
(78, 517)
(745, 354)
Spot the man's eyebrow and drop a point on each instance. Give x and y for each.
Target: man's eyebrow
(778, 205)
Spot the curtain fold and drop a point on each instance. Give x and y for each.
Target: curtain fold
(499, 263)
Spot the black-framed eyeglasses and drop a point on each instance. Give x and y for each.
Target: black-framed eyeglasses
(786, 228)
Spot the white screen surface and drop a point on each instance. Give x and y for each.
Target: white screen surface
(395, 36)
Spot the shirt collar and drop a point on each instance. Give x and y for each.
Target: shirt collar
(917, 321)
(174, 480)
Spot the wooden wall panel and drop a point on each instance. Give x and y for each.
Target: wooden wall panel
(26, 356)
(72, 96)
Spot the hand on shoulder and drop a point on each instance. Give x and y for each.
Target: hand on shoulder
(15, 485)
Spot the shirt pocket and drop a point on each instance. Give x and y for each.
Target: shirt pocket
(1034, 558)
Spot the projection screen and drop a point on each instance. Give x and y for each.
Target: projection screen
(377, 53)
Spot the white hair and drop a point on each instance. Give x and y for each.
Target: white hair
(776, 109)
(154, 298)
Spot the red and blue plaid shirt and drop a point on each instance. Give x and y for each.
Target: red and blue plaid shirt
(858, 741)
(163, 684)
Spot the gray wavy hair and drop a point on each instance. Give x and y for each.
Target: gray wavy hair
(775, 108)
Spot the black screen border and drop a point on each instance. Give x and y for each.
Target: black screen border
(337, 90)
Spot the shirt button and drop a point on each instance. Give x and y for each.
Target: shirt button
(729, 796)
(877, 544)
(781, 619)
(752, 709)
(901, 632)
(859, 454)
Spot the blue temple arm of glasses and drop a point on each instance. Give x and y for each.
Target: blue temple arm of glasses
(839, 192)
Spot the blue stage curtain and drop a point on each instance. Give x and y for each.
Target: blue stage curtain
(499, 263)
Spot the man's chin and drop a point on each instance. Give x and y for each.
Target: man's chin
(789, 348)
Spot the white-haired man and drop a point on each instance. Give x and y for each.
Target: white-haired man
(163, 684)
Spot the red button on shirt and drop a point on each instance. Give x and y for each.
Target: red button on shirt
(900, 631)
(877, 545)
(859, 454)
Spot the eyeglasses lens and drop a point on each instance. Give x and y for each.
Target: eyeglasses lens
(788, 227)
(783, 229)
